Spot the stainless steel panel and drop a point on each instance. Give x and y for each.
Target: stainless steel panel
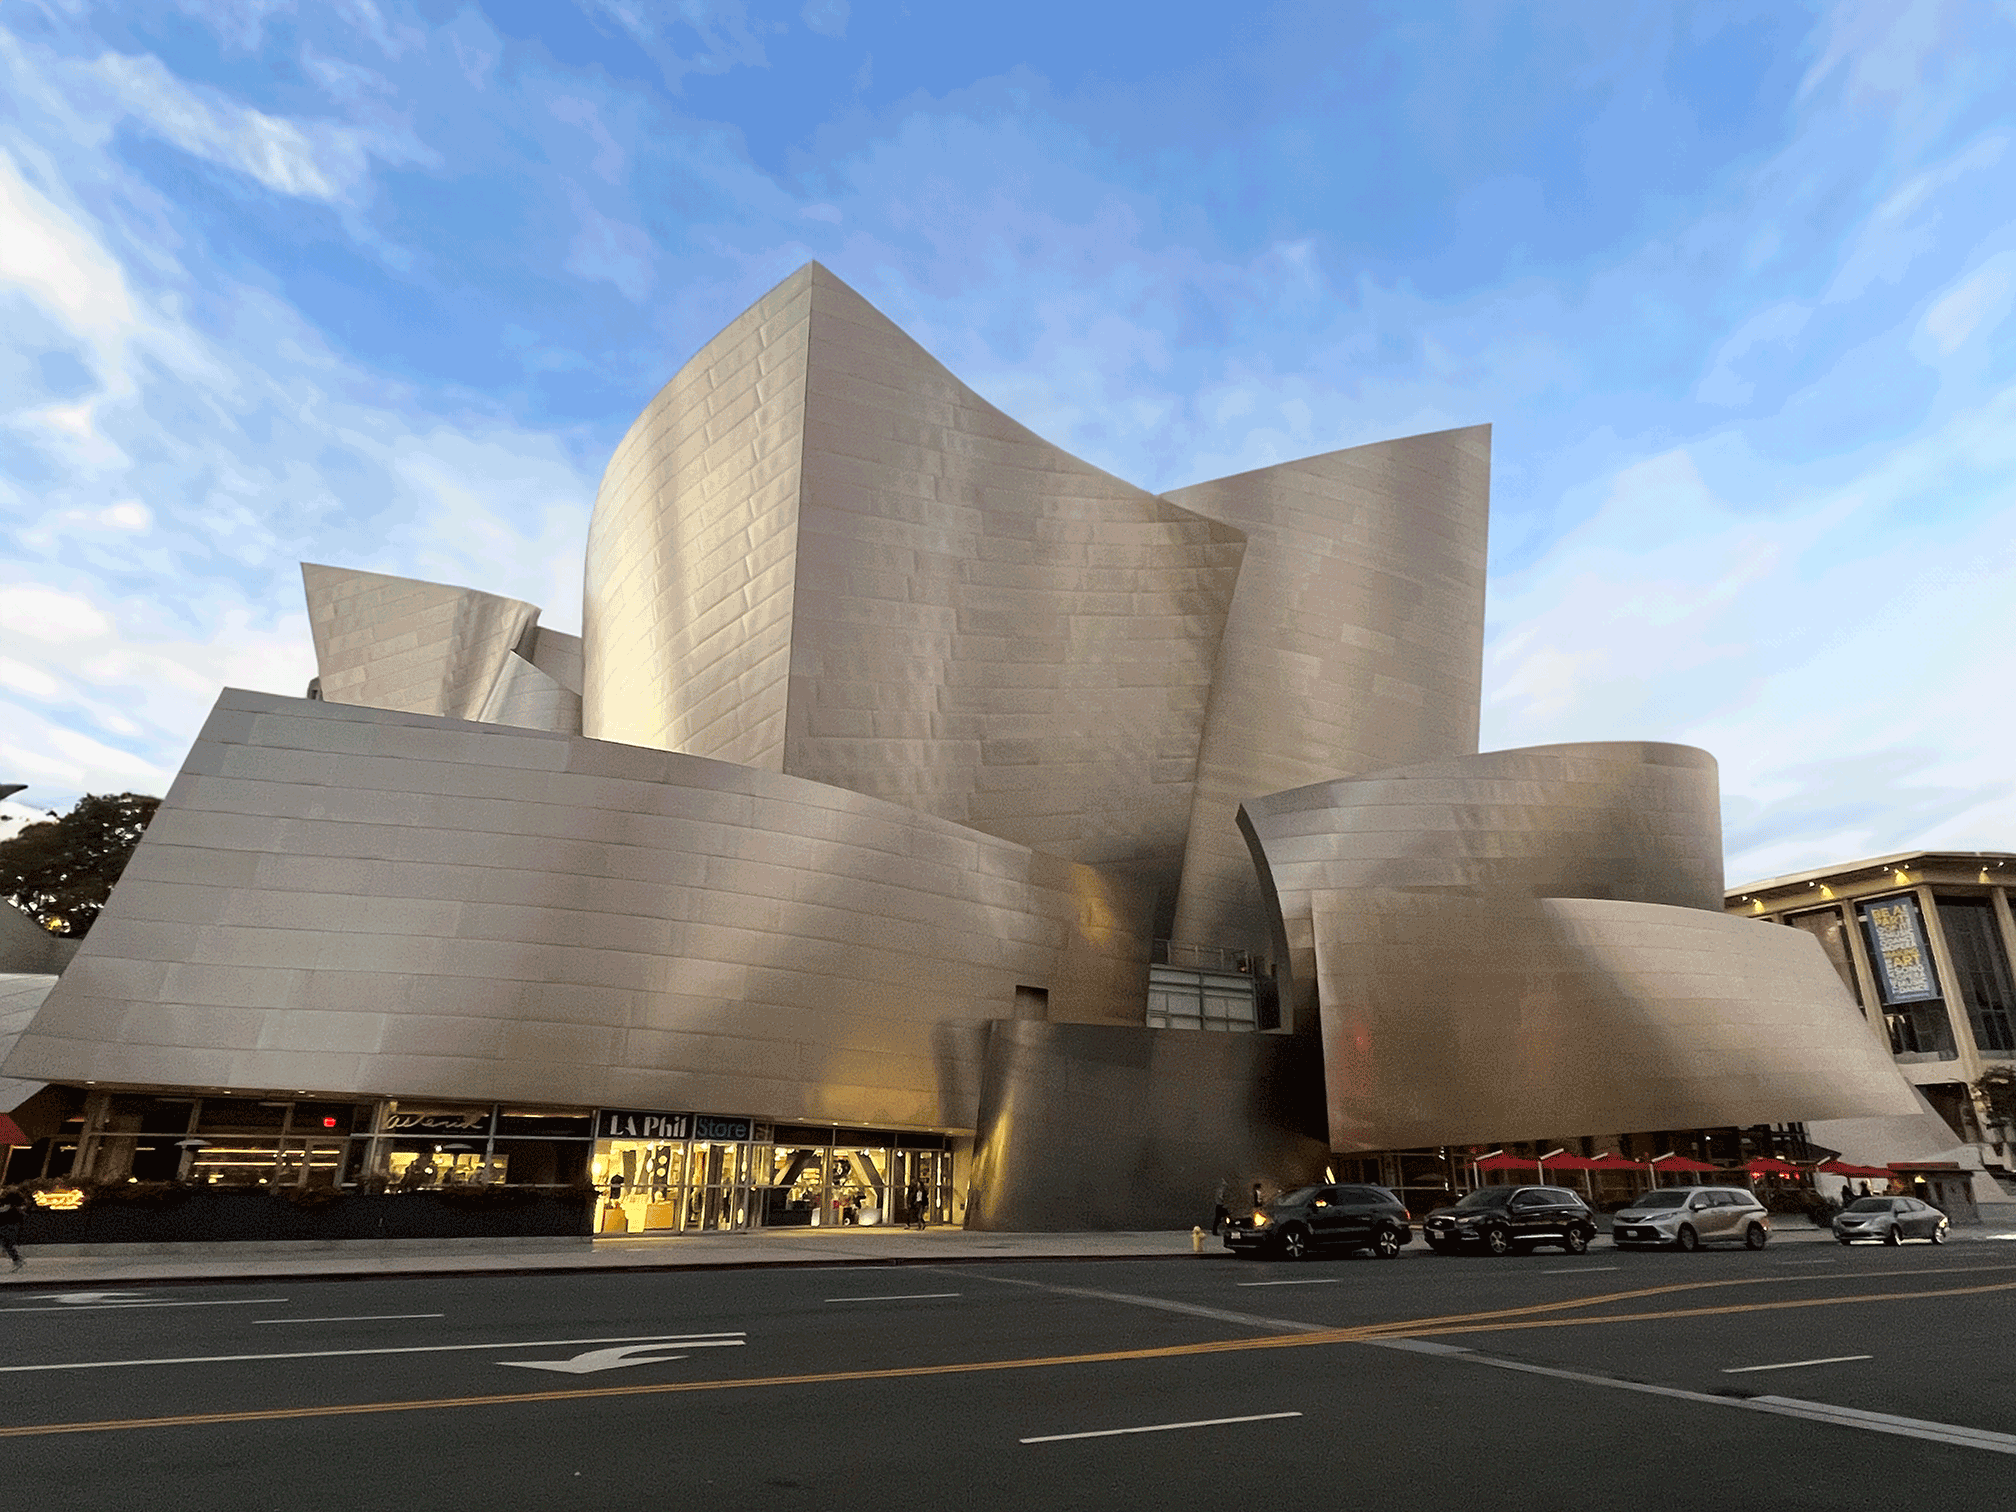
(1511, 945)
(360, 901)
(1355, 641)
(819, 552)
(397, 643)
(1087, 1127)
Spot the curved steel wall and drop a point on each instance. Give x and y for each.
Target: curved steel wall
(985, 627)
(1355, 641)
(692, 549)
(1085, 1126)
(1452, 1020)
(399, 643)
(819, 552)
(356, 901)
(1528, 944)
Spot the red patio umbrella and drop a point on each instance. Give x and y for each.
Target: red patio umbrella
(1843, 1168)
(10, 1133)
(1676, 1163)
(1574, 1163)
(1609, 1162)
(1503, 1162)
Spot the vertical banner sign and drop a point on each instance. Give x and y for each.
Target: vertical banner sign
(1897, 943)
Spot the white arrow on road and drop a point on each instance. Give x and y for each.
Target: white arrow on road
(616, 1359)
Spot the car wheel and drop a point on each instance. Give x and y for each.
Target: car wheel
(1939, 1233)
(1577, 1242)
(1294, 1242)
(1498, 1239)
(1892, 1235)
(1687, 1239)
(1386, 1243)
(1755, 1237)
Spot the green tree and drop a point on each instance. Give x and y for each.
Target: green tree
(61, 872)
(1996, 1088)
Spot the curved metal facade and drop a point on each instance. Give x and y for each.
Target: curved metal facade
(359, 901)
(1529, 943)
(398, 643)
(885, 708)
(819, 552)
(1355, 642)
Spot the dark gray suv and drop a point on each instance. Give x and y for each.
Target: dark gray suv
(1310, 1218)
(1502, 1219)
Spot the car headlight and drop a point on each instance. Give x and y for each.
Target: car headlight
(1259, 1220)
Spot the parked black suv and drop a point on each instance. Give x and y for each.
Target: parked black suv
(1310, 1218)
(1502, 1219)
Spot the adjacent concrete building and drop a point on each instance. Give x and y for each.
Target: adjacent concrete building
(902, 757)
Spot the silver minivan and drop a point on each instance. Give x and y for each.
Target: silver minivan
(1688, 1217)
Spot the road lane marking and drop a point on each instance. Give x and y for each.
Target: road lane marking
(1582, 1270)
(1505, 1325)
(1163, 1304)
(897, 1297)
(1883, 1422)
(1795, 1364)
(330, 1354)
(1389, 1336)
(1815, 1412)
(1824, 1260)
(1258, 1417)
(615, 1359)
(1313, 1281)
(353, 1318)
(148, 1306)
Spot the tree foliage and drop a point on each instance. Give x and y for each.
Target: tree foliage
(61, 871)
(1997, 1090)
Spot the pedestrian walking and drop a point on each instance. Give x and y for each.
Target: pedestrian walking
(1221, 1214)
(920, 1203)
(13, 1208)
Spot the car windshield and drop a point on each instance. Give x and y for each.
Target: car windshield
(1869, 1205)
(1660, 1200)
(1291, 1199)
(1487, 1197)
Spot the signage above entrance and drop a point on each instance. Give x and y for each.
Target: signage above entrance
(629, 1123)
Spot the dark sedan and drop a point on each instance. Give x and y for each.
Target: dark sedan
(1310, 1218)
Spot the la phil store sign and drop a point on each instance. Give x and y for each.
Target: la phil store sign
(629, 1123)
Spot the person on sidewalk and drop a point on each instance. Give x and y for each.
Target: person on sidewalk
(1221, 1214)
(13, 1208)
(920, 1204)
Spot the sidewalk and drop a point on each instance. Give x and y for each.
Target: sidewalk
(104, 1264)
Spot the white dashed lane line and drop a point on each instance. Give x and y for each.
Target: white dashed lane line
(1258, 1417)
(1795, 1364)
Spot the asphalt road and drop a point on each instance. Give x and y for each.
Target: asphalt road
(1609, 1380)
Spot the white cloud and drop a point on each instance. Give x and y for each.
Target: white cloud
(1806, 646)
(826, 17)
(48, 256)
(49, 616)
(318, 160)
(1977, 303)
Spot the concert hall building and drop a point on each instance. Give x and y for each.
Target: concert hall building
(923, 810)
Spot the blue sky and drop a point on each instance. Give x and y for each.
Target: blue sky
(382, 285)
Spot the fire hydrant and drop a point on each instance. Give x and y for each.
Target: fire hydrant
(1196, 1239)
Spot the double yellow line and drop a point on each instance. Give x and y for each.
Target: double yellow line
(1541, 1315)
